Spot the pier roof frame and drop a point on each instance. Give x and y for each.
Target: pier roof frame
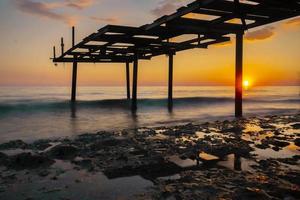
(117, 44)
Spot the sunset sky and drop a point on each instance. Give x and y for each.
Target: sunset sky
(29, 29)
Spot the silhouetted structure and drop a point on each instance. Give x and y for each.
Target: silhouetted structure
(210, 21)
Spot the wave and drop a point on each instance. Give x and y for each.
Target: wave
(60, 105)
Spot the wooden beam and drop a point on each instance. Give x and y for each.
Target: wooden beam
(204, 26)
(92, 60)
(74, 81)
(170, 85)
(239, 76)
(128, 80)
(180, 12)
(73, 36)
(166, 27)
(62, 45)
(54, 52)
(134, 83)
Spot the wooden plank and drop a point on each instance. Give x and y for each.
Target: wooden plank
(239, 76)
(134, 83)
(180, 12)
(170, 85)
(128, 80)
(74, 81)
(265, 12)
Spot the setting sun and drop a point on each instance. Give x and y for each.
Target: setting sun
(246, 84)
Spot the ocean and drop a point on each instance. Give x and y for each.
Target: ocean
(31, 113)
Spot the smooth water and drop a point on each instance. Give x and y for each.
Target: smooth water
(31, 113)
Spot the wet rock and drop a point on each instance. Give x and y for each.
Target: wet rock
(15, 144)
(108, 143)
(268, 164)
(2, 189)
(234, 129)
(276, 148)
(28, 161)
(296, 126)
(41, 144)
(292, 177)
(150, 170)
(267, 126)
(43, 173)
(3, 158)
(278, 143)
(297, 142)
(63, 152)
(263, 145)
(249, 194)
(84, 163)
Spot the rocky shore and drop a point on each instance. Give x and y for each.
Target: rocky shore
(253, 158)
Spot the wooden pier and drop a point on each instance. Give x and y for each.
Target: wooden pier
(124, 44)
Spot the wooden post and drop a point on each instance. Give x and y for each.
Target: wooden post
(54, 52)
(73, 36)
(62, 45)
(74, 80)
(170, 85)
(128, 80)
(134, 84)
(239, 76)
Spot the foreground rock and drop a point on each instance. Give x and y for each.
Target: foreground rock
(255, 158)
(62, 151)
(28, 161)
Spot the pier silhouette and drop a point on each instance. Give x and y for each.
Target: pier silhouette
(126, 44)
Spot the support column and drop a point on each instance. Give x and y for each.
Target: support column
(134, 84)
(170, 85)
(239, 76)
(128, 80)
(74, 80)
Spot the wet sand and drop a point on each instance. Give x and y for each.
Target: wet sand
(253, 158)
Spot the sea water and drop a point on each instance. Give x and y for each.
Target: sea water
(31, 113)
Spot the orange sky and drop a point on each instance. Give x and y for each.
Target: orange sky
(271, 53)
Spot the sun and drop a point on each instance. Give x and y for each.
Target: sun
(246, 84)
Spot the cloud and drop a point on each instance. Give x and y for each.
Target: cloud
(260, 34)
(79, 4)
(47, 9)
(167, 7)
(41, 9)
(106, 20)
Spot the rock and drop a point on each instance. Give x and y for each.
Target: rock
(3, 158)
(280, 143)
(15, 144)
(267, 126)
(296, 126)
(44, 173)
(276, 148)
(63, 152)
(28, 161)
(84, 163)
(297, 142)
(235, 129)
(263, 145)
(249, 194)
(41, 144)
(2, 189)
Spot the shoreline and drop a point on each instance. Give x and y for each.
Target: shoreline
(255, 157)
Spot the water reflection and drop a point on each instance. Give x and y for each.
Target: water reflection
(237, 162)
(73, 106)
